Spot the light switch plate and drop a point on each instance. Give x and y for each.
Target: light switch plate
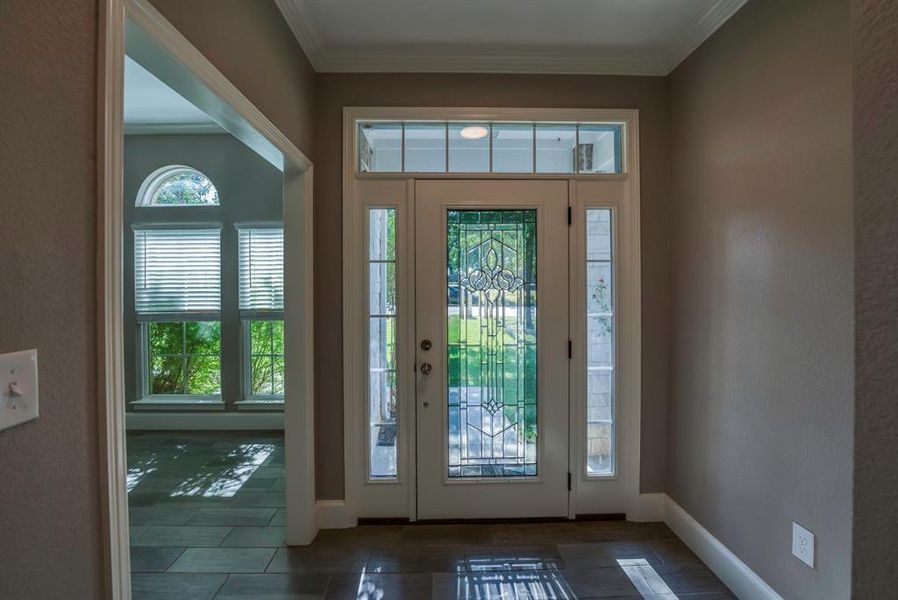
(18, 372)
(803, 544)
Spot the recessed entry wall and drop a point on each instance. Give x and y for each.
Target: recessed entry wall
(335, 91)
(250, 191)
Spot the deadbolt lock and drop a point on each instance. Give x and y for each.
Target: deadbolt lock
(426, 345)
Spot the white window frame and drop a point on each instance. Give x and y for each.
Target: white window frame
(250, 400)
(145, 399)
(154, 181)
(361, 190)
(382, 494)
(580, 331)
(534, 124)
(170, 401)
(399, 245)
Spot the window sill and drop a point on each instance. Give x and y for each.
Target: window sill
(211, 403)
(273, 404)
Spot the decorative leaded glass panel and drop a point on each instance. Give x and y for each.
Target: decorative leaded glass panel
(491, 320)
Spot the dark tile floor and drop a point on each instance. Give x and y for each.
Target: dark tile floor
(207, 522)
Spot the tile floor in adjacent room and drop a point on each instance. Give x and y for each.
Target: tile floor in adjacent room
(207, 522)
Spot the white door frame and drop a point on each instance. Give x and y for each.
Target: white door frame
(360, 190)
(174, 60)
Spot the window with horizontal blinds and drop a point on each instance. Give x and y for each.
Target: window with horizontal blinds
(177, 273)
(261, 270)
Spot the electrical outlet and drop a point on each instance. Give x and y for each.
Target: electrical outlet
(803, 544)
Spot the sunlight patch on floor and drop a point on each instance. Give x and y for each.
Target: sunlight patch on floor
(644, 578)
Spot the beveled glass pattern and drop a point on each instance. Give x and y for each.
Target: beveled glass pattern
(382, 391)
(491, 322)
(600, 343)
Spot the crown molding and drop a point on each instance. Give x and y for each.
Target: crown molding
(172, 128)
(422, 58)
(718, 14)
(304, 32)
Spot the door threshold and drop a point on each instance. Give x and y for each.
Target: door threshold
(362, 521)
(601, 517)
(366, 521)
(492, 521)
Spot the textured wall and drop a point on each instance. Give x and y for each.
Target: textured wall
(875, 40)
(251, 44)
(648, 94)
(250, 190)
(761, 296)
(49, 480)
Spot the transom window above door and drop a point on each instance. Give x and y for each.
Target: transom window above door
(489, 147)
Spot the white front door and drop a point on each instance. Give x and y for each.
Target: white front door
(491, 348)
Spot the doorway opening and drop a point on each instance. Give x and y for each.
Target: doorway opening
(206, 293)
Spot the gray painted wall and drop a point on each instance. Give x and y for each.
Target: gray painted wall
(875, 37)
(761, 295)
(49, 480)
(250, 190)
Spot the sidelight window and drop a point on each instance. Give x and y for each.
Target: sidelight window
(383, 402)
(600, 341)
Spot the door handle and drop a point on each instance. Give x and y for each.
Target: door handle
(426, 368)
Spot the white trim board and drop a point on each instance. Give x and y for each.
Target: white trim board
(648, 508)
(173, 129)
(191, 421)
(421, 58)
(737, 576)
(333, 514)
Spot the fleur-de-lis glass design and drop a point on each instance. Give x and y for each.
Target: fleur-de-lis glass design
(492, 343)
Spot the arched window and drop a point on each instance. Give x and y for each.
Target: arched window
(177, 185)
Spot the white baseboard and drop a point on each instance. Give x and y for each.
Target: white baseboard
(266, 421)
(744, 582)
(649, 508)
(333, 514)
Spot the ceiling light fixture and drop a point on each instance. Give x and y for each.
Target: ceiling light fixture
(474, 132)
